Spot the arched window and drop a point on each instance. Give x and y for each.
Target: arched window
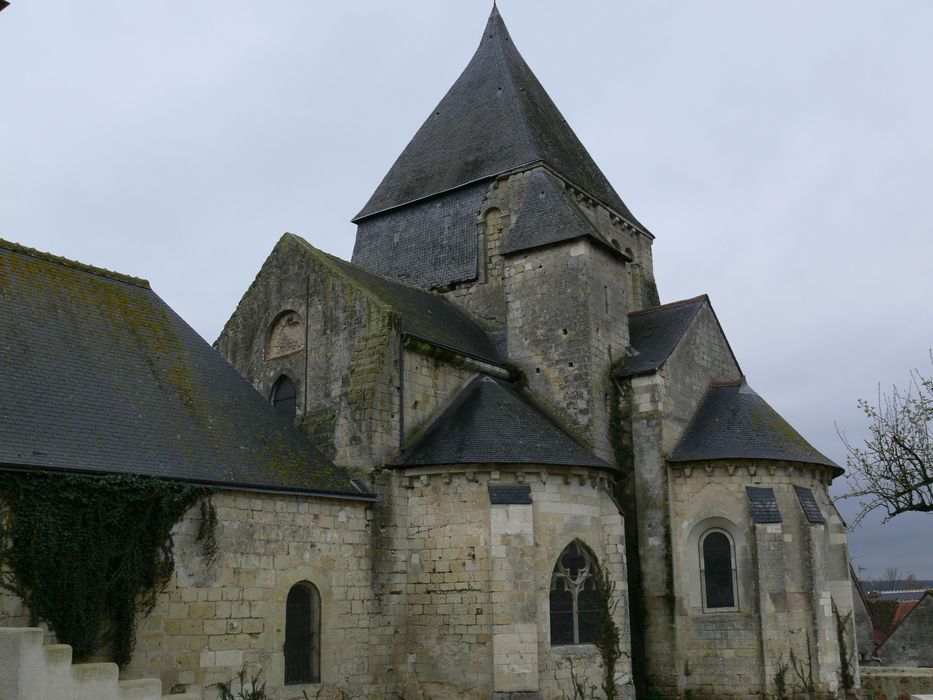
(717, 571)
(284, 397)
(303, 634)
(575, 609)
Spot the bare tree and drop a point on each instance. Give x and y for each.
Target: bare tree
(893, 470)
(891, 575)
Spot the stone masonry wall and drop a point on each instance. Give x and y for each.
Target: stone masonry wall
(346, 376)
(430, 384)
(476, 577)
(214, 618)
(659, 407)
(567, 320)
(787, 577)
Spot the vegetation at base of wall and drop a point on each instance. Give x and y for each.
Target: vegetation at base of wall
(846, 677)
(609, 640)
(803, 670)
(89, 554)
(780, 679)
(251, 689)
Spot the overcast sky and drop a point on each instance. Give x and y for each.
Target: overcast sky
(780, 152)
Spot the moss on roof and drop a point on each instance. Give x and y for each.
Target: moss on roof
(100, 375)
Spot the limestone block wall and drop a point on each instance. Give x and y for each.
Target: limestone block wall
(346, 374)
(656, 408)
(430, 384)
(213, 618)
(484, 296)
(789, 576)
(477, 579)
(567, 321)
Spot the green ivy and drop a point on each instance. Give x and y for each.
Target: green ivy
(89, 554)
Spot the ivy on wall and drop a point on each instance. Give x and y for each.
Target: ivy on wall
(88, 554)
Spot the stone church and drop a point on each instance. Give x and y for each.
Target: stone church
(498, 446)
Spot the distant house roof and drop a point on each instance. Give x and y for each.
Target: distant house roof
(733, 422)
(99, 375)
(548, 215)
(906, 616)
(655, 332)
(491, 422)
(495, 118)
(425, 315)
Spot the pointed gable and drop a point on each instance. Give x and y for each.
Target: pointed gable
(491, 422)
(655, 332)
(495, 118)
(548, 215)
(425, 315)
(733, 422)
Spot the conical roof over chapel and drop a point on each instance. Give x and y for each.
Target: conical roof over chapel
(495, 118)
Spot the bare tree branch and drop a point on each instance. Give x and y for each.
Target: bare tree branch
(893, 469)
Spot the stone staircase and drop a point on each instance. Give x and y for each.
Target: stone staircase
(30, 670)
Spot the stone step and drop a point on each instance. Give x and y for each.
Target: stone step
(143, 689)
(95, 681)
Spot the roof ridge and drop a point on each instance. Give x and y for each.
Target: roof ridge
(499, 25)
(366, 270)
(669, 305)
(73, 264)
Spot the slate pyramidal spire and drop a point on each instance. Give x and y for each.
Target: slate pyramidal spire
(497, 117)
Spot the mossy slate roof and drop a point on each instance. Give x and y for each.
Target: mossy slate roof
(733, 422)
(495, 118)
(655, 332)
(99, 375)
(425, 315)
(492, 422)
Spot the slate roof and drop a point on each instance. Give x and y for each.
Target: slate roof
(733, 422)
(548, 215)
(496, 117)
(763, 505)
(491, 422)
(99, 375)
(809, 505)
(655, 332)
(425, 315)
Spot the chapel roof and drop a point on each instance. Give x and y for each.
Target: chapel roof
(548, 215)
(425, 315)
(655, 332)
(99, 375)
(492, 422)
(733, 422)
(495, 118)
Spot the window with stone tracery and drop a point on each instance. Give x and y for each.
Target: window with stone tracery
(575, 609)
